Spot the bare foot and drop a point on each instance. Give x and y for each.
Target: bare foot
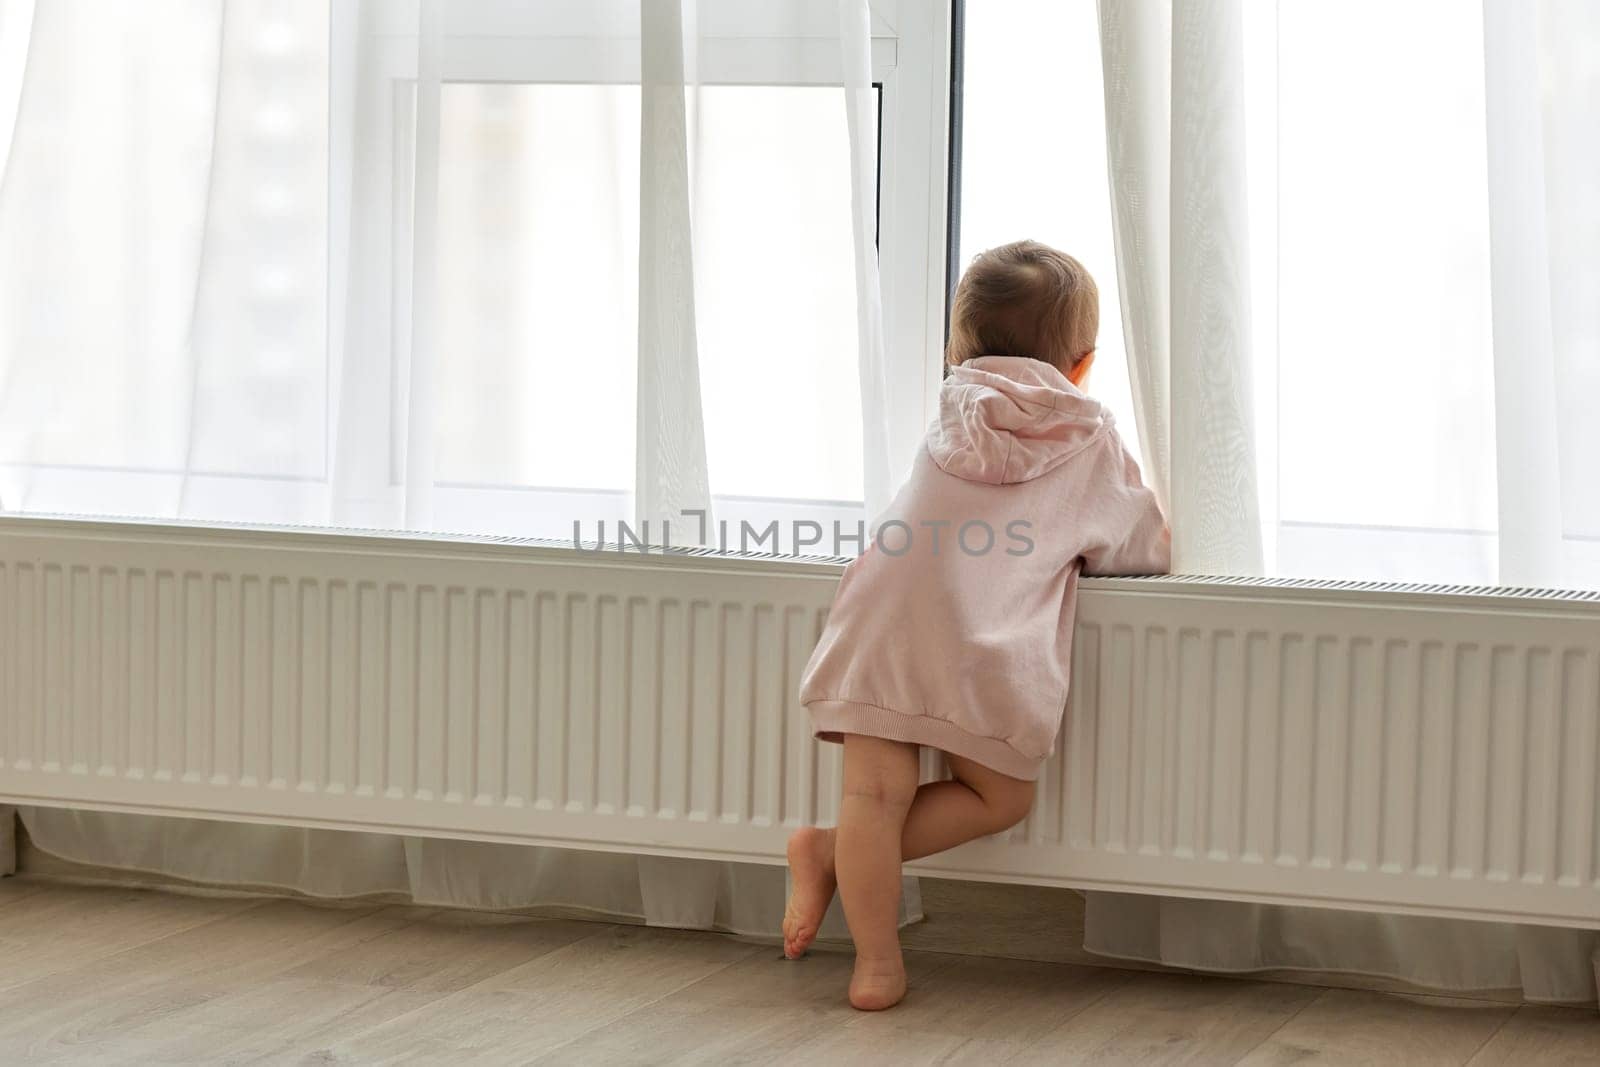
(811, 870)
(877, 984)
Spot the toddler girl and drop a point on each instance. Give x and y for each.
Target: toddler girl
(954, 628)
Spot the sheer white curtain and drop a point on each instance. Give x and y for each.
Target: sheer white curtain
(1420, 328)
(1175, 151)
(498, 267)
(393, 264)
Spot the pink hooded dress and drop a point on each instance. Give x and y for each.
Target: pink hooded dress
(954, 628)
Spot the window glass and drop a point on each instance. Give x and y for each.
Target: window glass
(538, 281)
(776, 293)
(1384, 354)
(1033, 160)
(1369, 310)
(538, 237)
(163, 261)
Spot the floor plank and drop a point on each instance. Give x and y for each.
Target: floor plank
(109, 976)
(972, 1010)
(15, 889)
(350, 988)
(762, 1008)
(1163, 1018)
(274, 1021)
(85, 1009)
(1347, 1026)
(543, 1005)
(448, 951)
(66, 927)
(1538, 1034)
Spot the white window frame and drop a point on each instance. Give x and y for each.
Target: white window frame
(913, 204)
(496, 42)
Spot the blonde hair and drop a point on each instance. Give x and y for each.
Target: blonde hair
(1024, 299)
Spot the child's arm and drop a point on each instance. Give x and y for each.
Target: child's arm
(1128, 534)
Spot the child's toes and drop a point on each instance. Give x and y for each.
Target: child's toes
(796, 940)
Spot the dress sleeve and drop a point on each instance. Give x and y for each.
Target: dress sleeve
(1127, 532)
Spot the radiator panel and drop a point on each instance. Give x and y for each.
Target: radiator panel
(1388, 749)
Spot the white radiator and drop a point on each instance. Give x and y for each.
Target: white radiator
(1340, 745)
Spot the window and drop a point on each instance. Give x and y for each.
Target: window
(539, 183)
(1023, 59)
(1370, 217)
(220, 323)
(148, 354)
(1368, 208)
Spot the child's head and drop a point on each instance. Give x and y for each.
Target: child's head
(1026, 299)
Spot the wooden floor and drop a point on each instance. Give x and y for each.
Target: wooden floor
(98, 975)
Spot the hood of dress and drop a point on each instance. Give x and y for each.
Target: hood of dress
(1005, 419)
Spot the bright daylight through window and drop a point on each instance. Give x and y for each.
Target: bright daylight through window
(1370, 333)
(382, 264)
(539, 193)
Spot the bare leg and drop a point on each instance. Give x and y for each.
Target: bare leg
(978, 802)
(880, 780)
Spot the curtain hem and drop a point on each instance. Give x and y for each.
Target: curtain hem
(1512, 993)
